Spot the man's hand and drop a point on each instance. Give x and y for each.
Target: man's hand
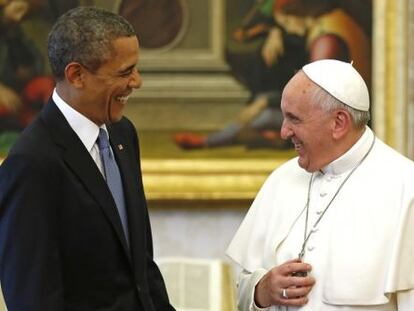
(279, 287)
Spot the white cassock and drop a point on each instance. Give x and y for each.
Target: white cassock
(362, 250)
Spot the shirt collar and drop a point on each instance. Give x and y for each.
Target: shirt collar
(86, 130)
(351, 158)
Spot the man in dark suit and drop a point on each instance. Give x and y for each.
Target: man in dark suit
(74, 227)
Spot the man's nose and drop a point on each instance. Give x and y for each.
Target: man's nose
(285, 132)
(135, 80)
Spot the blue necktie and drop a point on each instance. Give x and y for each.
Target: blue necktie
(113, 178)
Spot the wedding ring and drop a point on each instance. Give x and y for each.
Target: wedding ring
(284, 293)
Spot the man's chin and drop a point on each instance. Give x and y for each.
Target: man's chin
(115, 119)
(303, 163)
(115, 111)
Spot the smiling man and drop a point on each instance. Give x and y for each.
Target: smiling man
(332, 229)
(74, 227)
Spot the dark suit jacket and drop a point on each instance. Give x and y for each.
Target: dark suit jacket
(61, 241)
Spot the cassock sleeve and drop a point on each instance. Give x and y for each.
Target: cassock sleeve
(405, 300)
(246, 287)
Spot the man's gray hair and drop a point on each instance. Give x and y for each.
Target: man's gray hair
(329, 103)
(85, 35)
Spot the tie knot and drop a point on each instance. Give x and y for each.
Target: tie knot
(103, 141)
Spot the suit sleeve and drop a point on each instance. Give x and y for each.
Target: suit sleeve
(30, 270)
(155, 280)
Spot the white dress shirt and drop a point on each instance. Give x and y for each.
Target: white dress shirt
(86, 130)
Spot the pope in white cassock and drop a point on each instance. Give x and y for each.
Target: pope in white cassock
(332, 229)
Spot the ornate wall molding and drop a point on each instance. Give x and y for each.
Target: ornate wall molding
(392, 97)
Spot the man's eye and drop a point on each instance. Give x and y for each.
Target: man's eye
(126, 74)
(293, 119)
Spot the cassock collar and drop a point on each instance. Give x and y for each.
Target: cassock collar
(350, 158)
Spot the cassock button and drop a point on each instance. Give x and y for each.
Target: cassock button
(318, 212)
(310, 248)
(314, 229)
(138, 288)
(322, 194)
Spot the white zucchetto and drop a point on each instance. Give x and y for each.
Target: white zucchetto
(341, 80)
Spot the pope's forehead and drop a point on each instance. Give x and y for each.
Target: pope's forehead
(300, 84)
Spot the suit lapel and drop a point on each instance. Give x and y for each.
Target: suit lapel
(82, 165)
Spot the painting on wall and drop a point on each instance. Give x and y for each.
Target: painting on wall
(213, 74)
(24, 84)
(25, 79)
(267, 42)
(158, 23)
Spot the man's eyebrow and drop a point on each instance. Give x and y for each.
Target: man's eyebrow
(291, 115)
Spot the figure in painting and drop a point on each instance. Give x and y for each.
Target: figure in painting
(23, 87)
(295, 31)
(157, 23)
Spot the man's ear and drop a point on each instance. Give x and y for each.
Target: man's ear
(342, 123)
(75, 74)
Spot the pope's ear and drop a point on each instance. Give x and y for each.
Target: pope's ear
(342, 123)
(75, 74)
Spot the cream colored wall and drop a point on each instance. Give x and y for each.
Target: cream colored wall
(194, 232)
(198, 232)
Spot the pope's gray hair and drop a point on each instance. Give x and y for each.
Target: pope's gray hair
(329, 103)
(85, 35)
